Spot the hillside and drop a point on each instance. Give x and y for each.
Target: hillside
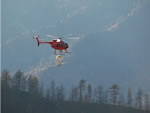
(23, 102)
(25, 95)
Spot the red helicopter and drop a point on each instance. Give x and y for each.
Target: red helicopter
(57, 44)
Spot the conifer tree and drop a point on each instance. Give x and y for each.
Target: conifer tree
(114, 91)
(81, 89)
(129, 98)
(89, 93)
(139, 99)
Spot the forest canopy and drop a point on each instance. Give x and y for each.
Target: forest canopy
(20, 92)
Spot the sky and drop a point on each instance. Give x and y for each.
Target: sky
(0, 37)
(113, 33)
(83, 15)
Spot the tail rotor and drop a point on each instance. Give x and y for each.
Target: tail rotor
(37, 39)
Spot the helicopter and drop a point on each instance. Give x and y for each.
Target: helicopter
(56, 44)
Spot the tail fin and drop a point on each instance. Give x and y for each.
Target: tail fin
(37, 39)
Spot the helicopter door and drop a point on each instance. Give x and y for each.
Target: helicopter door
(57, 45)
(61, 45)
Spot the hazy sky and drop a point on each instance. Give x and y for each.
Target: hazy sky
(68, 15)
(118, 30)
(0, 37)
(23, 18)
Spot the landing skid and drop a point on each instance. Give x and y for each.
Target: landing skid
(63, 53)
(59, 54)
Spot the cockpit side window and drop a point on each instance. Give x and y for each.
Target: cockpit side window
(57, 45)
(61, 45)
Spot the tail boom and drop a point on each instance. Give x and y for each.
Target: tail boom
(39, 42)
